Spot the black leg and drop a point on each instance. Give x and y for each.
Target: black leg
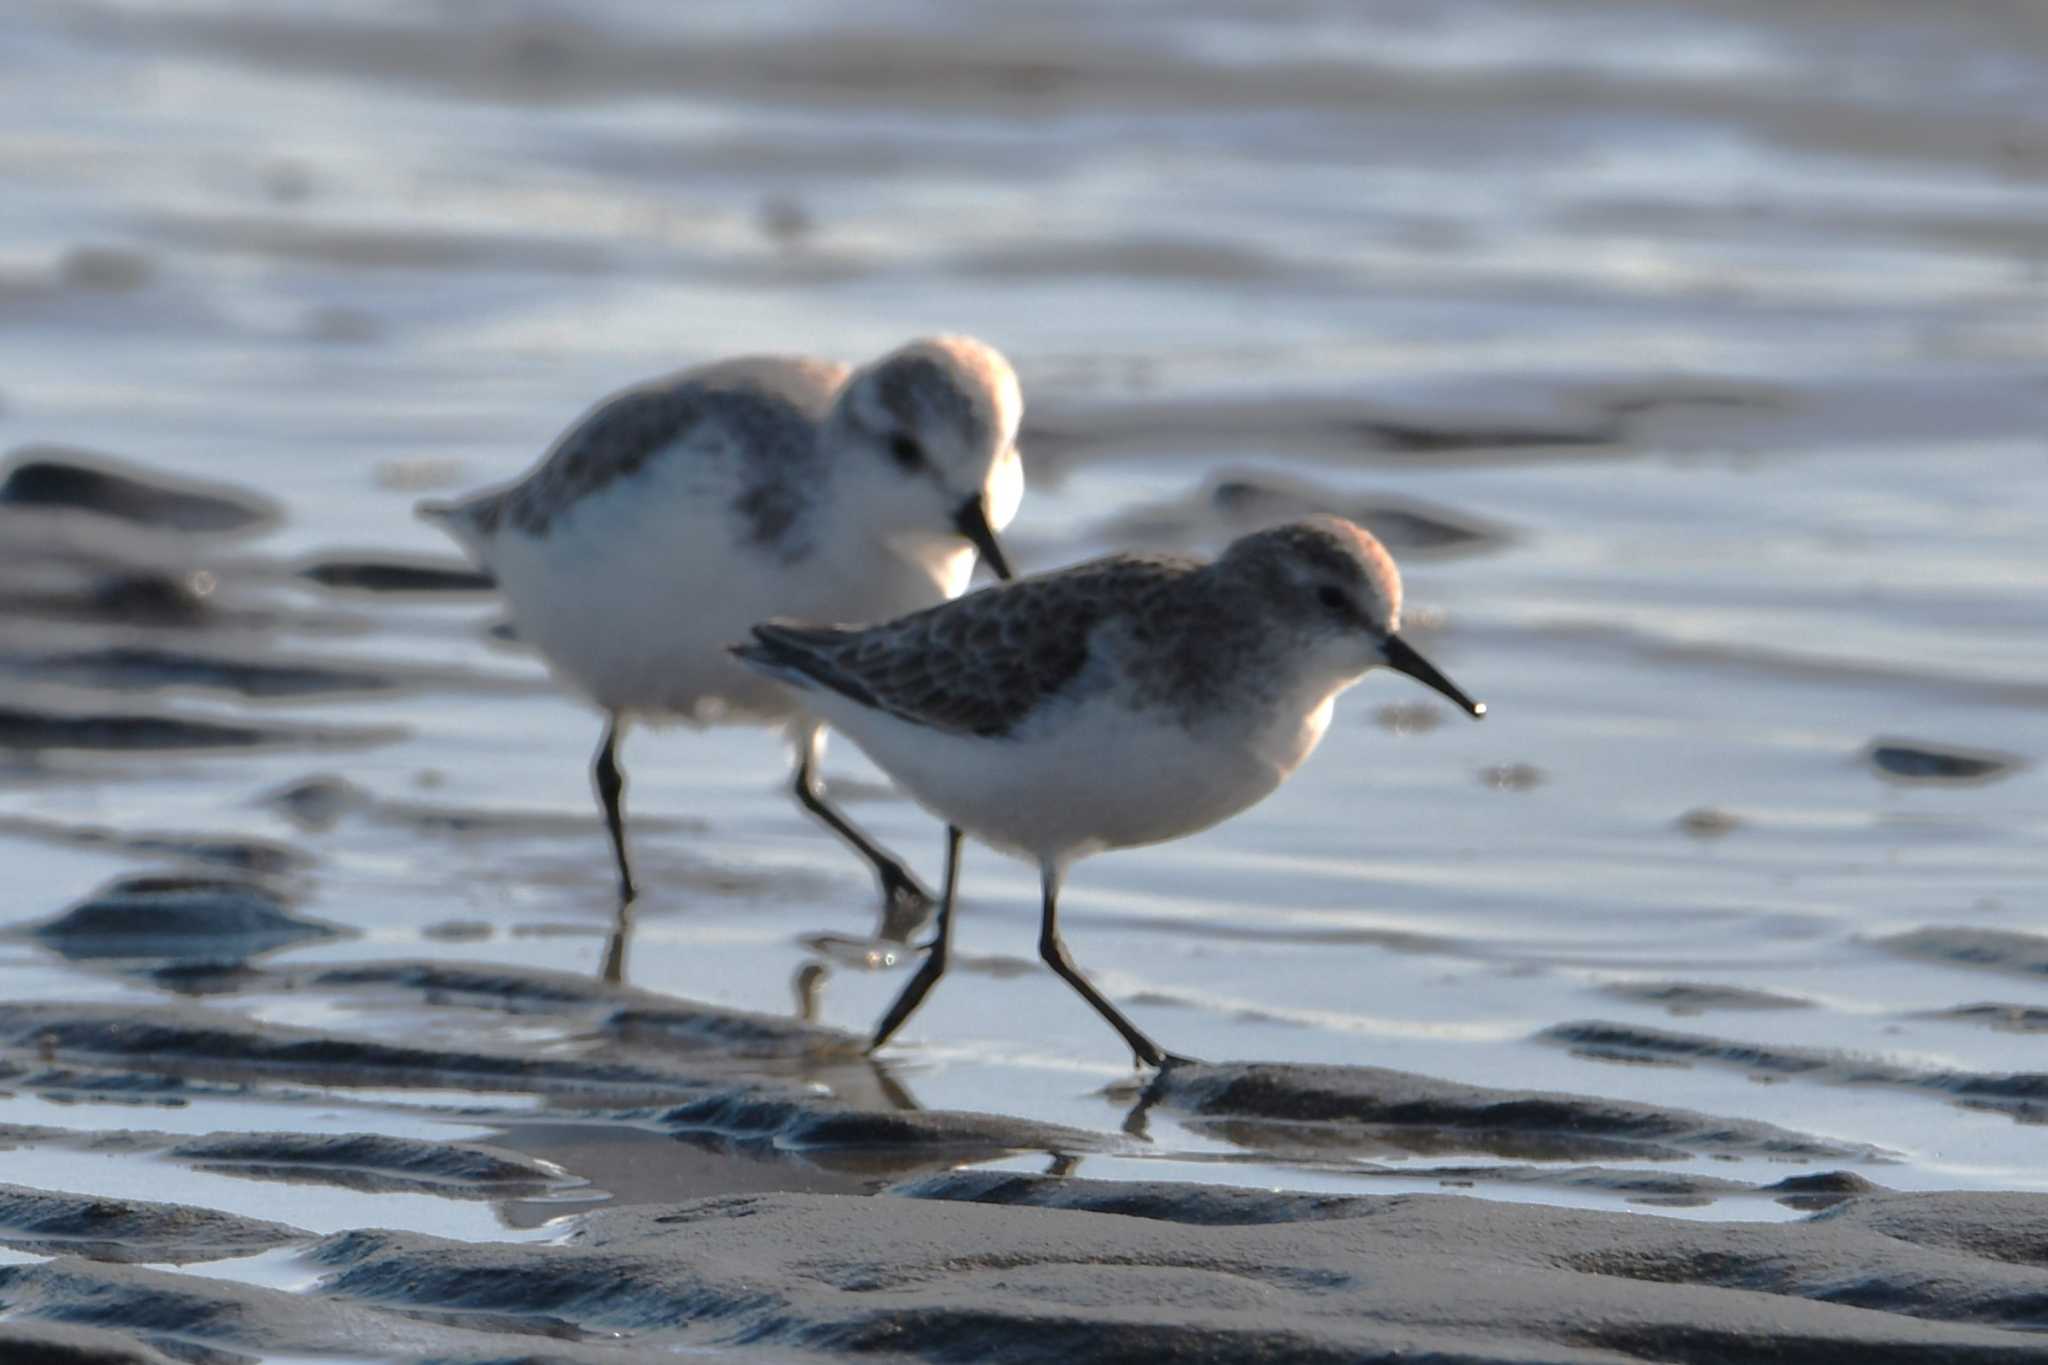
(611, 787)
(905, 902)
(1147, 1052)
(934, 965)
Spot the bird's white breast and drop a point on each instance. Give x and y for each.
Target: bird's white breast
(1091, 776)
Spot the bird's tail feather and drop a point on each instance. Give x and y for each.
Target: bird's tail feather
(800, 656)
(459, 520)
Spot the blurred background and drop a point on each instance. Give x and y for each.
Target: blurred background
(1693, 358)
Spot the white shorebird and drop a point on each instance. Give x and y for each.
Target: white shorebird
(675, 515)
(1125, 701)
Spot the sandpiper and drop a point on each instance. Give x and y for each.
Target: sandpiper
(676, 514)
(1125, 701)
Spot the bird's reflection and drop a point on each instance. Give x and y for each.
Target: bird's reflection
(886, 949)
(1138, 1121)
(804, 985)
(631, 1163)
(889, 1087)
(612, 971)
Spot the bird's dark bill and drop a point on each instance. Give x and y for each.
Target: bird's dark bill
(972, 521)
(1402, 657)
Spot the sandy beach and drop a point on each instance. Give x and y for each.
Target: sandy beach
(1689, 358)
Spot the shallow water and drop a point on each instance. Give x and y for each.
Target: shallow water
(1690, 357)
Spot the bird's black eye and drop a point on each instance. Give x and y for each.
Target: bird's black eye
(1334, 599)
(906, 451)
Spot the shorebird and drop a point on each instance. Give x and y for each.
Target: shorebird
(675, 514)
(1125, 701)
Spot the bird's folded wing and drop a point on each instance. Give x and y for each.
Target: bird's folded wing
(761, 414)
(978, 665)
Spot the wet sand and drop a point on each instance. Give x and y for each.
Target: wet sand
(1689, 358)
(841, 1218)
(1032, 1268)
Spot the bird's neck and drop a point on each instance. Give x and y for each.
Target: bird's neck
(1255, 684)
(883, 571)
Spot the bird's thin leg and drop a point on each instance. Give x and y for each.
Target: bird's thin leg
(1054, 952)
(906, 902)
(934, 965)
(611, 790)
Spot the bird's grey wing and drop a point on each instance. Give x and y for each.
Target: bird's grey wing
(761, 413)
(979, 665)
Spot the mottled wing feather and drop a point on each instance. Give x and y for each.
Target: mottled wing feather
(982, 664)
(767, 407)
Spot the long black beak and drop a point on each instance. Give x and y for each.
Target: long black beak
(972, 521)
(1401, 656)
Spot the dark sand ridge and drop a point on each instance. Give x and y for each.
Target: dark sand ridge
(162, 918)
(1108, 1271)
(1993, 950)
(2021, 1094)
(98, 1229)
(64, 478)
(2006, 1018)
(372, 1163)
(53, 1343)
(1691, 997)
(1278, 1106)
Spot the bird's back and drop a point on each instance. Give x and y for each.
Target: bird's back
(1059, 715)
(985, 663)
(658, 527)
(750, 424)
